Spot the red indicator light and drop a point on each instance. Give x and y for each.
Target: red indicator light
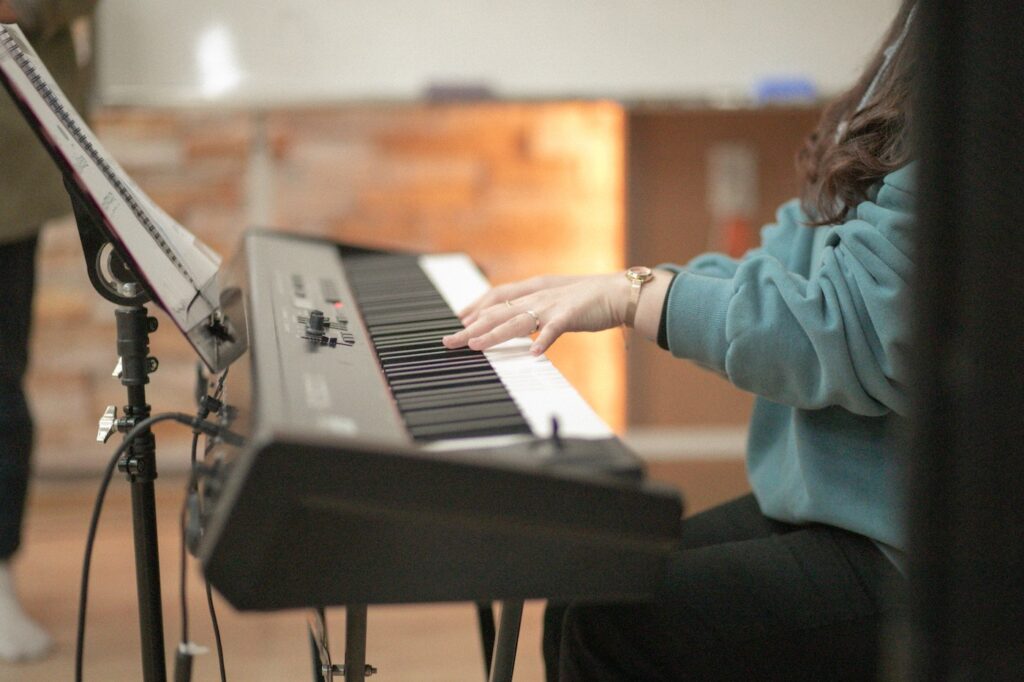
(339, 304)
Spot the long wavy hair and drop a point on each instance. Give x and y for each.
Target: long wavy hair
(852, 149)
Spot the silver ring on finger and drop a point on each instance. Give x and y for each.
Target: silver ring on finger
(536, 320)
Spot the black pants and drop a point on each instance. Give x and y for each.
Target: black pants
(745, 598)
(17, 281)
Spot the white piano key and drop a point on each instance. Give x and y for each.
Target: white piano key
(538, 388)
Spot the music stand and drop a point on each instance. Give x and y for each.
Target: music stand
(134, 253)
(115, 281)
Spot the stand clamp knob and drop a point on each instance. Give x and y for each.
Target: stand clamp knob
(109, 423)
(338, 669)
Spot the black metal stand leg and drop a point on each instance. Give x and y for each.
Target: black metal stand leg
(147, 579)
(323, 670)
(485, 618)
(139, 464)
(355, 643)
(354, 669)
(508, 641)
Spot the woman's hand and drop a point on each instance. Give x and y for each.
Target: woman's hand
(551, 305)
(512, 291)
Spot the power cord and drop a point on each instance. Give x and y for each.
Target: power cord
(216, 632)
(193, 504)
(215, 405)
(195, 422)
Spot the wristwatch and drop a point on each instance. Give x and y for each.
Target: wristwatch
(638, 275)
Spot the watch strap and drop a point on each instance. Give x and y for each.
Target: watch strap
(637, 276)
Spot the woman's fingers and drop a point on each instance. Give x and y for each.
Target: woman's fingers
(510, 292)
(493, 325)
(522, 324)
(549, 333)
(469, 314)
(498, 295)
(584, 304)
(485, 320)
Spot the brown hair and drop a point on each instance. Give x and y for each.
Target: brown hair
(852, 149)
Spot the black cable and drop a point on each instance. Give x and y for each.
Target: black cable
(192, 488)
(216, 632)
(220, 384)
(182, 582)
(218, 394)
(108, 474)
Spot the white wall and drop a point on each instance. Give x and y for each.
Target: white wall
(265, 53)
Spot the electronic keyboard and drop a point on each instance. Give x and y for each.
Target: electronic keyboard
(379, 466)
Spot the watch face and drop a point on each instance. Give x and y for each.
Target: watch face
(640, 272)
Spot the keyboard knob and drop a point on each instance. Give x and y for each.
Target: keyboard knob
(315, 323)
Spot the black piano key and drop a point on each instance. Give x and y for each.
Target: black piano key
(422, 369)
(414, 363)
(475, 380)
(413, 403)
(463, 374)
(401, 358)
(412, 316)
(394, 328)
(432, 342)
(437, 351)
(432, 335)
(463, 413)
(499, 426)
(440, 393)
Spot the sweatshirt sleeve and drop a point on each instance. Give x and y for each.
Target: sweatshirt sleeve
(837, 335)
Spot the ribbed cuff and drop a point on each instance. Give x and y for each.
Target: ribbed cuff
(697, 306)
(663, 322)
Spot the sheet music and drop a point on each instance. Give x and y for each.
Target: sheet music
(539, 389)
(178, 269)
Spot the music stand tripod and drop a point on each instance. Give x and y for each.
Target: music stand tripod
(115, 281)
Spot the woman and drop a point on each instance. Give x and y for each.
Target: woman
(796, 580)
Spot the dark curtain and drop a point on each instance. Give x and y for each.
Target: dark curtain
(966, 501)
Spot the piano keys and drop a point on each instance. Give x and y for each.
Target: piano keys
(380, 467)
(440, 393)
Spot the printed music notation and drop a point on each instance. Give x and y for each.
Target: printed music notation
(179, 270)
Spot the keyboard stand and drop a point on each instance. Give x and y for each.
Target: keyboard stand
(355, 643)
(508, 640)
(354, 668)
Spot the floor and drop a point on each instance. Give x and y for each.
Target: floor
(415, 643)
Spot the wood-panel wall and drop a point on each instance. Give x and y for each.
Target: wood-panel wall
(669, 219)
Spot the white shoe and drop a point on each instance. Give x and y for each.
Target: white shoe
(21, 638)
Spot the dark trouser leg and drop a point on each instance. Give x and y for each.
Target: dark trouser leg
(745, 598)
(17, 281)
(733, 521)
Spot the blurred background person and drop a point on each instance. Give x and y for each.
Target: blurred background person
(31, 193)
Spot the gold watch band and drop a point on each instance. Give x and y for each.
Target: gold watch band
(638, 276)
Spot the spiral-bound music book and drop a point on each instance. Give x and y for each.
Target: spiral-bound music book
(177, 269)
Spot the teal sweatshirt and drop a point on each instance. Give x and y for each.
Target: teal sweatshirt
(816, 323)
